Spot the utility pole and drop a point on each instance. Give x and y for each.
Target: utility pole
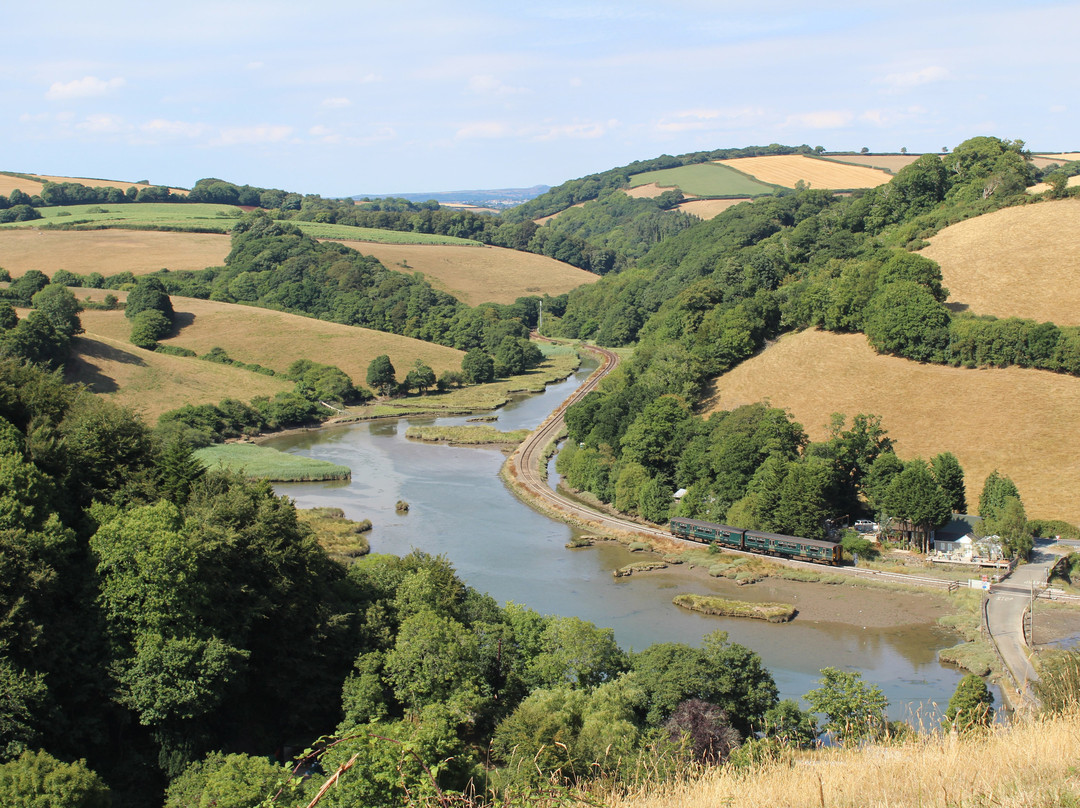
(540, 317)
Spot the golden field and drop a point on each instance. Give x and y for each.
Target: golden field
(788, 169)
(709, 208)
(1028, 764)
(108, 251)
(886, 162)
(1022, 422)
(477, 275)
(1041, 187)
(9, 183)
(275, 339)
(1043, 160)
(151, 383)
(1016, 262)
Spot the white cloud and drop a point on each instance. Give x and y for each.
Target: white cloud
(892, 117)
(1059, 108)
(696, 120)
(917, 78)
(250, 135)
(102, 124)
(489, 85)
(576, 131)
(484, 130)
(173, 129)
(87, 87)
(336, 103)
(820, 119)
(254, 65)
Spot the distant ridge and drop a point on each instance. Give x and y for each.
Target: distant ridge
(497, 198)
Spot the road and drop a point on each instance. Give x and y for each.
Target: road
(1005, 617)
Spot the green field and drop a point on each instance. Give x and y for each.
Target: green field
(270, 464)
(209, 218)
(705, 180)
(174, 216)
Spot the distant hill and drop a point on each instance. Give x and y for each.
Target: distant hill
(498, 199)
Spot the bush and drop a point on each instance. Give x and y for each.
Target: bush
(148, 327)
(38, 779)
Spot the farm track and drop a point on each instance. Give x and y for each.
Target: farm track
(523, 471)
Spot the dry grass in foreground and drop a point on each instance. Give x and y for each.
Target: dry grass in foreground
(275, 339)
(108, 251)
(1023, 765)
(152, 383)
(1022, 422)
(788, 169)
(1016, 262)
(477, 275)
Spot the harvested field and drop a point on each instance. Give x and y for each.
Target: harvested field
(704, 179)
(1040, 187)
(9, 183)
(1017, 262)
(1060, 158)
(479, 274)
(152, 383)
(275, 339)
(108, 251)
(709, 208)
(1025, 423)
(886, 162)
(788, 169)
(650, 191)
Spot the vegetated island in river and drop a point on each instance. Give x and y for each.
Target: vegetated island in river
(482, 435)
(262, 462)
(707, 604)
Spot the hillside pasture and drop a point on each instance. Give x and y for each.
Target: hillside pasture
(649, 191)
(477, 275)
(193, 217)
(1042, 187)
(1024, 423)
(710, 180)
(1017, 262)
(275, 339)
(886, 162)
(9, 183)
(1060, 158)
(151, 383)
(789, 169)
(108, 251)
(710, 208)
(342, 232)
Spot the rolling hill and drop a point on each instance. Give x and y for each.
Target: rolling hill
(788, 169)
(1018, 421)
(9, 182)
(1016, 262)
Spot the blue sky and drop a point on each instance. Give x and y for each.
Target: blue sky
(339, 98)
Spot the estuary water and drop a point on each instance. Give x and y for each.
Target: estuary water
(460, 508)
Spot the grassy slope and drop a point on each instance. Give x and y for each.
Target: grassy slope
(704, 179)
(266, 463)
(1022, 765)
(1018, 421)
(153, 383)
(1017, 262)
(275, 339)
(488, 274)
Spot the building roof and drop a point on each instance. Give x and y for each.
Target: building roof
(961, 524)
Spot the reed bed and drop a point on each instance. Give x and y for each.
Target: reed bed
(724, 607)
(263, 462)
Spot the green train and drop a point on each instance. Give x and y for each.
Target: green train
(756, 541)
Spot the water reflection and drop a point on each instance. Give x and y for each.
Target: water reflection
(459, 507)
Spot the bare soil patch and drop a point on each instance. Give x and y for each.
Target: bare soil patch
(477, 275)
(788, 169)
(1017, 262)
(275, 339)
(709, 208)
(108, 251)
(886, 162)
(152, 383)
(1025, 423)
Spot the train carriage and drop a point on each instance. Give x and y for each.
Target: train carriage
(756, 541)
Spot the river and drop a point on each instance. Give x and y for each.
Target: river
(459, 507)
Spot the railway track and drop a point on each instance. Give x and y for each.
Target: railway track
(523, 471)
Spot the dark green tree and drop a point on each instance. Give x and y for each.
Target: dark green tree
(61, 308)
(915, 497)
(997, 488)
(853, 709)
(904, 318)
(950, 476)
(477, 367)
(38, 780)
(380, 375)
(148, 327)
(149, 293)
